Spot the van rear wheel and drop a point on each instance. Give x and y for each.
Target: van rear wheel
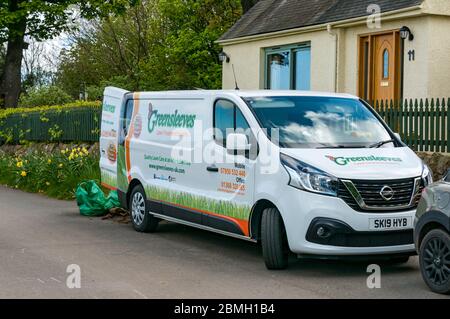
(274, 240)
(142, 220)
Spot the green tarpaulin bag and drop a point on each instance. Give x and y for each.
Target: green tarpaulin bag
(92, 201)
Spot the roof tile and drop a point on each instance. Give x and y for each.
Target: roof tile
(277, 15)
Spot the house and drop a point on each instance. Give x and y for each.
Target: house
(381, 49)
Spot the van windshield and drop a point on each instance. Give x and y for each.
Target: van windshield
(319, 122)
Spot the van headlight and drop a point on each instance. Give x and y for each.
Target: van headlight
(427, 175)
(309, 178)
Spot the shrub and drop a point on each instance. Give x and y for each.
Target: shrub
(56, 175)
(78, 121)
(48, 108)
(47, 95)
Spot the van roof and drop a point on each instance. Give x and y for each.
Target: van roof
(241, 93)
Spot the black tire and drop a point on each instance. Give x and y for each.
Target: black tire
(273, 240)
(434, 261)
(141, 219)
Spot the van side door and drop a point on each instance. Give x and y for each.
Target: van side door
(231, 178)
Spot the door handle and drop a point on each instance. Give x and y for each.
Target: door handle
(212, 169)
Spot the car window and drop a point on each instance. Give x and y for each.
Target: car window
(447, 177)
(241, 123)
(319, 122)
(224, 120)
(228, 118)
(126, 121)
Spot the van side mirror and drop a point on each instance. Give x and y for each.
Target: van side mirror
(237, 142)
(398, 136)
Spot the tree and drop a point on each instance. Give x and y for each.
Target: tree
(40, 20)
(186, 57)
(156, 45)
(247, 4)
(109, 51)
(36, 72)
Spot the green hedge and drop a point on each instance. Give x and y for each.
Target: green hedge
(78, 121)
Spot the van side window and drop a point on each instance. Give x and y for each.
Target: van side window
(241, 123)
(228, 118)
(223, 120)
(126, 121)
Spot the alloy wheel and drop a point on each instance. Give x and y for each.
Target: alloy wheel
(138, 208)
(437, 261)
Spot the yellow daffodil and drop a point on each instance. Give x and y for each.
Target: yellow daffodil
(49, 161)
(23, 174)
(19, 164)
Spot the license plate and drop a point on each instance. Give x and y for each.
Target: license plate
(390, 223)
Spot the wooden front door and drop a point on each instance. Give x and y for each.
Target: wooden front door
(379, 67)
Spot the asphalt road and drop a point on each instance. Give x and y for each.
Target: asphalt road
(40, 237)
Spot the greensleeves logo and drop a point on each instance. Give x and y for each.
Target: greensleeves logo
(174, 120)
(363, 159)
(109, 108)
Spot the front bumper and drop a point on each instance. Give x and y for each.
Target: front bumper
(301, 210)
(331, 232)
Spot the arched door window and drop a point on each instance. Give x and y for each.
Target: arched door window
(386, 64)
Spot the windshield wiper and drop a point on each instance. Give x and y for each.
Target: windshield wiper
(340, 146)
(379, 144)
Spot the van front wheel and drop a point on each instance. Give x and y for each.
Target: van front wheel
(274, 240)
(142, 220)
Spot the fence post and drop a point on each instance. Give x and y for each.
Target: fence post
(448, 125)
(432, 141)
(438, 129)
(410, 125)
(400, 117)
(443, 132)
(420, 131)
(426, 126)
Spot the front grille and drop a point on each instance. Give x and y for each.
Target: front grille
(369, 190)
(372, 239)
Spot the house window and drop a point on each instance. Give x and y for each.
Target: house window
(288, 68)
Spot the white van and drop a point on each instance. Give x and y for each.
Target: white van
(317, 174)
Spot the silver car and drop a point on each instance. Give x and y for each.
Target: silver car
(432, 235)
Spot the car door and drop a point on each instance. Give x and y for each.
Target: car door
(231, 176)
(111, 112)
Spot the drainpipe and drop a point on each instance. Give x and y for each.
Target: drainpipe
(335, 35)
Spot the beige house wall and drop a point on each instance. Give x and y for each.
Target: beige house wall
(248, 60)
(427, 76)
(416, 73)
(439, 57)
